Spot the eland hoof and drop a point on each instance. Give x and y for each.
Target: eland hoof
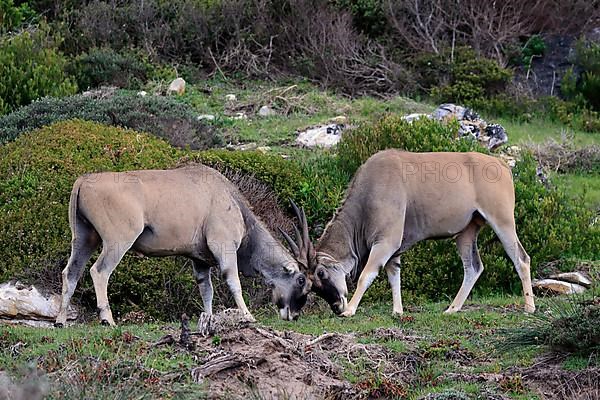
(59, 325)
(348, 313)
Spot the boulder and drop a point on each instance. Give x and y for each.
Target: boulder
(18, 301)
(470, 124)
(573, 277)
(553, 286)
(177, 87)
(325, 136)
(266, 111)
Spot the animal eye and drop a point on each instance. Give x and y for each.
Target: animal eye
(301, 280)
(321, 274)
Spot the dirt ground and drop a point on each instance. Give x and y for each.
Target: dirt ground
(237, 359)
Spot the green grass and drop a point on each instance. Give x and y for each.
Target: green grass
(539, 131)
(583, 188)
(139, 369)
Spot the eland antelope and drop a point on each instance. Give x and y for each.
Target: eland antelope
(193, 212)
(397, 199)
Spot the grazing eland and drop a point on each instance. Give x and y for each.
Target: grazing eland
(397, 199)
(192, 211)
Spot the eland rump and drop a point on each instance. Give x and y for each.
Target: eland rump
(193, 212)
(397, 199)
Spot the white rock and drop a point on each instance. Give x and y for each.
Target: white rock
(142, 93)
(263, 149)
(266, 111)
(573, 277)
(553, 286)
(208, 117)
(230, 97)
(415, 116)
(26, 302)
(177, 87)
(322, 136)
(240, 115)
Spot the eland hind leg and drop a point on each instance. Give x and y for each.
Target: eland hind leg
(466, 243)
(202, 275)
(84, 242)
(505, 229)
(111, 255)
(392, 268)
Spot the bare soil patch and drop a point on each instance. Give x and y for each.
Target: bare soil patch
(237, 359)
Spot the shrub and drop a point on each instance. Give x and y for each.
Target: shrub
(549, 224)
(37, 172)
(12, 17)
(470, 79)
(32, 67)
(584, 87)
(569, 324)
(105, 66)
(162, 116)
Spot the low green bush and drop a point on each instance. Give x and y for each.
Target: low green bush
(32, 67)
(13, 17)
(465, 79)
(37, 172)
(567, 325)
(105, 66)
(162, 116)
(584, 86)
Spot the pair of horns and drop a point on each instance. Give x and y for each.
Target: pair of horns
(302, 247)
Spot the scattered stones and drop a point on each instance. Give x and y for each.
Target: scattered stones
(177, 87)
(18, 301)
(553, 286)
(142, 93)
(471, 124)
(266, 111)
(207, 117)
(510, 155)
(573, 277)
(240, 115)
(325, 136)
(231, 98)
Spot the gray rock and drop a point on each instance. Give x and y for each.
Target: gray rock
(324, 136)
(207, 117)
(266, 111)
(177, 87)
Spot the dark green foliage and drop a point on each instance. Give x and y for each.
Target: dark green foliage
(584, 87)
(466, 79)
(32, 67)
(13, 17)
(105, 66)
(163, 116)
(368, 15)
(534, 47)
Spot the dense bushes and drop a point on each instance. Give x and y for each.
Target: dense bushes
(162, 116)
(32, 67)
(105, 66)
(37, 172)
(584, 87)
